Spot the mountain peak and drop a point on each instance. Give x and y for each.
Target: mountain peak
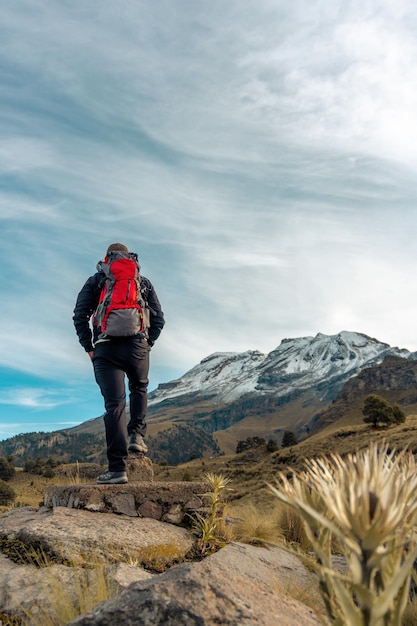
(297, 363)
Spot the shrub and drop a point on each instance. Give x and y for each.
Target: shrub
(398, 414)
(272, 445)
(289, 439)
(40, 467)
(378, 411)
(7, 493)
(248, 443)
(7, 470)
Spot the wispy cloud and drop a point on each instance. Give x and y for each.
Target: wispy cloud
(262, 164)
(32, 398)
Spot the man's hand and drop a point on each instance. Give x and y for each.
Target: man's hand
(90, 354)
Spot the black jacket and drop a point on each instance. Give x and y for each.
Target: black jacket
(87, 302)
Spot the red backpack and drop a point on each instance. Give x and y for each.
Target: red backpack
(121, 310)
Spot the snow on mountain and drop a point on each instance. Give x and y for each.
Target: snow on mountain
(299, 363)
(227, 375)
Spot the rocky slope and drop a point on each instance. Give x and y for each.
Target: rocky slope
(296, 364)
(229, 397)
(235, 396)
(395, 379)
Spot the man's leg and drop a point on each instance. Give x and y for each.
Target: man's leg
(137, 372)
(111, 380)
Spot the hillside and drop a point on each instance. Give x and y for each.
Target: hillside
(235, 396)
(306, 385)
(174, 445)
(395, 379)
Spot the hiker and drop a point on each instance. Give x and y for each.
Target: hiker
(126, 319)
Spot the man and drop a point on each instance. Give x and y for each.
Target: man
(114, 357)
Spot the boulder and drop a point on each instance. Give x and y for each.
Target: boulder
(28, 588)
(240, 584)
(121, 532)
(78, 537)
(139, 467)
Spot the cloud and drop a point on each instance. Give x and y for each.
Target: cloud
(31, 398)
(261, 164)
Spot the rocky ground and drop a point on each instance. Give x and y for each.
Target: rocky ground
(239, 584)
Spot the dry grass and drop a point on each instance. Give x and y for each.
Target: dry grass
(66, 602)
(155, 558)
(257, 527)
(30, 488)
(307, 595)
(293, 529)
(409, 617)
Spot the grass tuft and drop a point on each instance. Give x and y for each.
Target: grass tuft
(257, 527)
(66, 602)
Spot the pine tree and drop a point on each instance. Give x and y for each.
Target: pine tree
(289, 439)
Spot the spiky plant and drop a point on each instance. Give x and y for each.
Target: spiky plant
(210, 524)
(368, 503)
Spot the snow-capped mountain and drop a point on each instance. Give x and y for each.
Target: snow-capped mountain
(296, 364)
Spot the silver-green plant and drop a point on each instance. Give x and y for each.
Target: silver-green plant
(367, 502)
(209, 525)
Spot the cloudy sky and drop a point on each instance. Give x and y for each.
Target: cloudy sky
(259, 155)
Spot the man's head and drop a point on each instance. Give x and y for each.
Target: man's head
(114, 247)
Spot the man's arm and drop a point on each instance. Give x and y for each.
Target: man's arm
(157, 316)
(84, 308)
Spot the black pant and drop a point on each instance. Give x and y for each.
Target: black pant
(112, 360)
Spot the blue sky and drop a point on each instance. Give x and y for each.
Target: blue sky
(259, 156)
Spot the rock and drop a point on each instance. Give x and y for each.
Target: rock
(169, 502)
(87, 530)
(30, 588)
(139, 467)
(123, 574)
(239, 585)
(75, 471)
(82, 536)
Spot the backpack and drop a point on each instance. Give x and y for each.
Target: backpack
(121, 310)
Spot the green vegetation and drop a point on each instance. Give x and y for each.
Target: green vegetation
(181, 443)
(378, 411)
(7, 494)
(7, 469)
(62, 446)
(289, 439)
(249, 443)
(272, 445)
(210, 525)
(41, 466)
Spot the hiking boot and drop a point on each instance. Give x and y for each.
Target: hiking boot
(112, 478)
(136, 444)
